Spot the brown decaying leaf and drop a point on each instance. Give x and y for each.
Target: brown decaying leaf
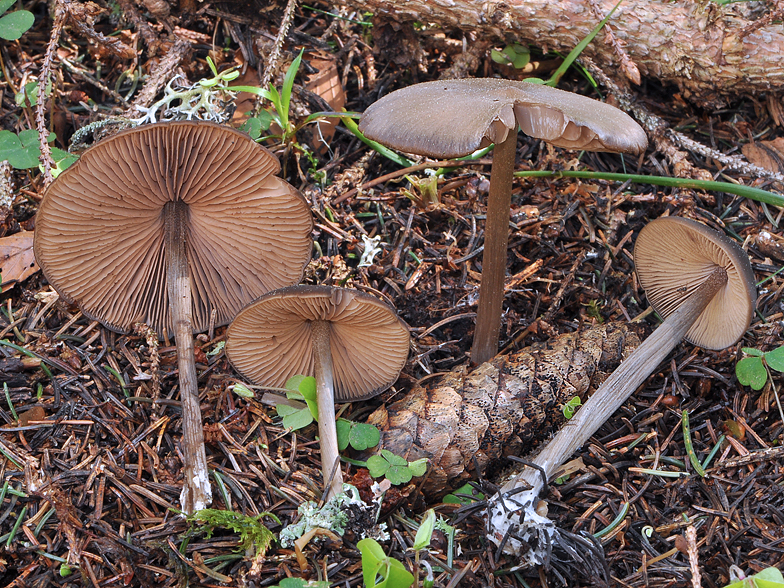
(767, 154)
(505, 406)
(17, 261)
(326, 84)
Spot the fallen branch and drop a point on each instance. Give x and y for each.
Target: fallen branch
(711, 52)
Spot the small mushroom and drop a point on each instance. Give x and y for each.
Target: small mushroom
(354, 345)
(453, 118)
(702, 283)
(165, 224)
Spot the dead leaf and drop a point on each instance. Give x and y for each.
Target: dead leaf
(767, 154)
(300, 544)
(17, 260)
(37, 413)
(245, 102)
(326, 84)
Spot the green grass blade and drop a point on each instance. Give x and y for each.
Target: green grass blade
(743, 191)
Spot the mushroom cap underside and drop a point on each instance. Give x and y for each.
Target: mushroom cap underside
(100, 229)
(270, 340)
(673, 256)
(453, 118)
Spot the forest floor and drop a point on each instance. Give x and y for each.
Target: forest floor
(92, 474)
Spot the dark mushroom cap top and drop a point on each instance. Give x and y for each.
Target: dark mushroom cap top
(453, 118)
(99, 234)
(673, 256)
(270, 340)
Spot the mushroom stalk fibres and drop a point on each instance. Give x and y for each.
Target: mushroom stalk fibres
(196, 493)
(491, 289)
(609, 397)
(325, 395)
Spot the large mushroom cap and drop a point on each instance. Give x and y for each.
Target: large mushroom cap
(270, 340)
(453, 118)
(99, 234)
(674, 255)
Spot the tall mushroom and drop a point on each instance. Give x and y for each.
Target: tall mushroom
(164, 224)
(702, 283)
(453, 118)
(354, 344)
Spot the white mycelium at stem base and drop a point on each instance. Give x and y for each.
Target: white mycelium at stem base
(196, 493)
(325, 398)
(508, 509)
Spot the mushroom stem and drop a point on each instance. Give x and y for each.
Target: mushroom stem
(196, 492)
(491, 289)
(622, 382)
(325, 399)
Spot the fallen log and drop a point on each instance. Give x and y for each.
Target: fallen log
(460, 420)
(711, 52)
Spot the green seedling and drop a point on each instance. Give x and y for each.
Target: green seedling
(23, 150)
(571, 407)
(10, 403)
(424, 192)
(422, 541)
(395, 468)
(27, 96)
(301, 388)
(243, 391)
(466, 494)
(360, 436)
(754, 370)
(381, 571)
(425, 532)
(767, 578)
(255, 538)
(695, 462)
(281, 103)
(513, 54)
(575, 53)
(14, 24)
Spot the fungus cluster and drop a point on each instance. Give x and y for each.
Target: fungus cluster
(169, 225)
(453, 118)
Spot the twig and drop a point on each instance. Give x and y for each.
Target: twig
(159, 77)
(408, 170)
(60, 12)
(694, 562)
(667, 140)
(92, 81)
(628, 67)
(272, 60)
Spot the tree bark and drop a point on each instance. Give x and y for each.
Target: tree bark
(711, 52)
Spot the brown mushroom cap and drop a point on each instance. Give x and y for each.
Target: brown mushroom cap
(99, 234)
(452, 118)
(674, 255)
(269, 341)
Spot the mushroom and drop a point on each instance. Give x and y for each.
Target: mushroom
(453, 118)
(702, 283)
(353, 343)
(165, 224)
